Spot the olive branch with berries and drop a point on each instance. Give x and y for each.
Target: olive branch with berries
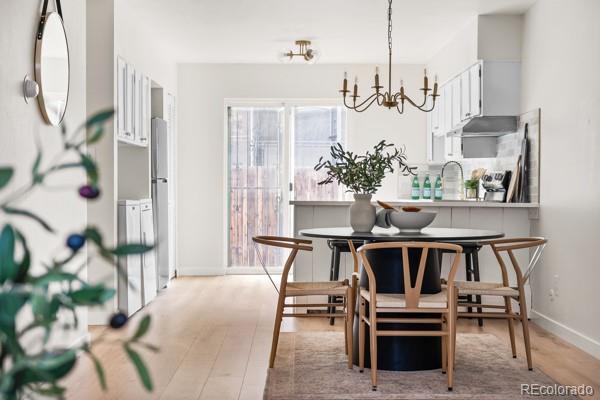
(58, 288)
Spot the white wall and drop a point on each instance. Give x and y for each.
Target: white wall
(457, 54)
(485, 37)
(21, 125)
(561, 61)
(499, 37)
(203, 88)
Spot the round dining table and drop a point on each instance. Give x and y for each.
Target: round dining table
(404, 353)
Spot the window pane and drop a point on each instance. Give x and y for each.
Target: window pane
(255, 165)
(316, 129)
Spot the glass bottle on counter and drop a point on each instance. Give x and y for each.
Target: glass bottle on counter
(415, 192)
(427, 188)
(437, 194)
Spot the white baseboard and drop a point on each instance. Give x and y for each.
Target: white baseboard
(570, 335)
(200, 271)
(253, 270)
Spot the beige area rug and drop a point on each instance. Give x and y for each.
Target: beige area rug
(312, 365)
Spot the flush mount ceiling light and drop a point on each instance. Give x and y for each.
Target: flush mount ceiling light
(305, 53)
(389, 99)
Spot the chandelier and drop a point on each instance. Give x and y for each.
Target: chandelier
(389, 99)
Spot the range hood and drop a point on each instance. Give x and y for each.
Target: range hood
(486, 126)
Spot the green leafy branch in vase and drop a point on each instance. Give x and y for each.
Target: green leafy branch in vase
(363, 174)
(37, 302)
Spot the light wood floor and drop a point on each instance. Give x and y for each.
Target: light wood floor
(214, 336)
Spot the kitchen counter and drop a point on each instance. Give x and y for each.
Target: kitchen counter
(422, 203)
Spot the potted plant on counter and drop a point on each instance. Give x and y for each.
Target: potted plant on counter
(362, 175)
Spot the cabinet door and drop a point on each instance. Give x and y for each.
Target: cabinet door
(475, 89)
(129, 94)
(465, 96)
(134, 265)
(149, 258)
(435, 116)
(447, 108)
(137, 105)
(455, 84)
(144, 110)
(121, 97)
(441, 109)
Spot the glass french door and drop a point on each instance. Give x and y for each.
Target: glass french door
(273, 149)
(257, 183)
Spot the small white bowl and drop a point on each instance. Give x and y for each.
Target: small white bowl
(412, 221)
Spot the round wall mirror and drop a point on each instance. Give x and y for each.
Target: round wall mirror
(52, 69)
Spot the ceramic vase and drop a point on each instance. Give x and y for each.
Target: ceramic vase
(362, 213)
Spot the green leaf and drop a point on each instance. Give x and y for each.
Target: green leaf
(92, 295)
(8, 267)
(90, 168)
(99, 370)
(6, 174)
(54, 276)
(140, 367)
(99, 118)
(127, 249)
(149, 346)
(10, 304)
(142, 328)
(28, 214)
(51, 391)
(50, 367)
(96, 136)
(35, 170)
(94, 235)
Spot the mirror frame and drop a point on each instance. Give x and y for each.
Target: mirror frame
(39, 71)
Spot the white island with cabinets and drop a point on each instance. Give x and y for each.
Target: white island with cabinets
(513, 219)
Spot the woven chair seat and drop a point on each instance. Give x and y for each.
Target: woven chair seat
(316, 288)
(393, 300)
(485, 289)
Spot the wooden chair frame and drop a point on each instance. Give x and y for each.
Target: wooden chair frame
(312, 288)
(412, 297)
(509, 245)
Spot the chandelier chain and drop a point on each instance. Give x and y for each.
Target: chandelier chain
(390, 25)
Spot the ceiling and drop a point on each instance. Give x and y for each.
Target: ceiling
(345, 31)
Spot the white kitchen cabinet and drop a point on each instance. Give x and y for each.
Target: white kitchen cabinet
(465, 96)
(475, 90)
(145, 115)
(453, 146)
(456, 115)
(133, 105)
(137, 106)
(129, 102)
(447, 104)
(435, 116)
(122, 131)
(130, 280)
(149, 282)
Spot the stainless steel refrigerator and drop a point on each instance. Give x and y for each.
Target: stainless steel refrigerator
(160, 198)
